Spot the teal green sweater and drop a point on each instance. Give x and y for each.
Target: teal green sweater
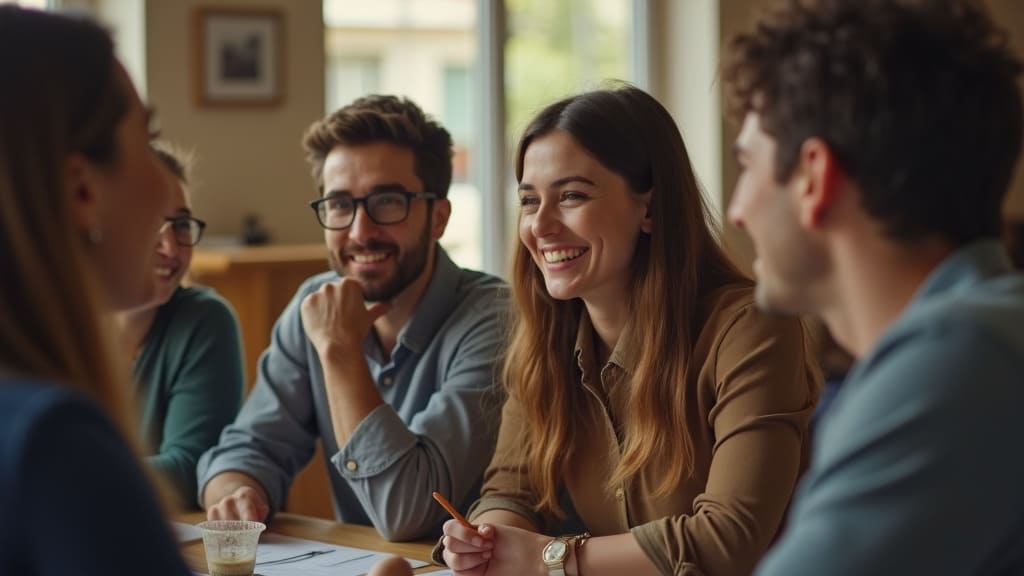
(190, 379)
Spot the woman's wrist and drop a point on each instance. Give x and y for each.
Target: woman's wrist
(574, 562)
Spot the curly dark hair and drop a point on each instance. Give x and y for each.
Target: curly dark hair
(385, 118)
(917, 99)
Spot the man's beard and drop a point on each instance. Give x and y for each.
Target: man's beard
(409, 267)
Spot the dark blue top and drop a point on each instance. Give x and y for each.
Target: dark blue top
(73, 499)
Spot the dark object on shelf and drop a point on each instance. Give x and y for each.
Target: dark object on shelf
(254, 232)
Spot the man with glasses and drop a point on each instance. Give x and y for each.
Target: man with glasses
(878, 144)
(389, 359)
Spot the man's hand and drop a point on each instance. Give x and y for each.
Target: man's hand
(391, 566)
(336, 318)
(235, 496)
(337, 321)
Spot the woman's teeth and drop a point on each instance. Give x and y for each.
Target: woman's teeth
(555, 256)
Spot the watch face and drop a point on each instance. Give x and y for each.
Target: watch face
(555, 551)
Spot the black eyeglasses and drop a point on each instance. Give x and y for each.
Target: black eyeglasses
(187, 230)
(383, 207)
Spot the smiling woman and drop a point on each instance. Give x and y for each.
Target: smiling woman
(82, 198)
(634, 332)
(186, 348)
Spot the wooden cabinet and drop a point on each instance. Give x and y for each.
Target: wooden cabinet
(259, 282)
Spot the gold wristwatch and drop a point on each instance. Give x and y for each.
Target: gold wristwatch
(554, 556)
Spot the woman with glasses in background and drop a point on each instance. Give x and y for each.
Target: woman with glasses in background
(186, 351)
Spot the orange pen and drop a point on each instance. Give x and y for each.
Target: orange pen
(451, 510)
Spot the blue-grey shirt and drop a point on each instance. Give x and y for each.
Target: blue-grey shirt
(918, 467)
(435, 431)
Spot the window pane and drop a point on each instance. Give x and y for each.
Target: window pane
(351, 77)
(426, 50)
(37, 4)
(559, 47)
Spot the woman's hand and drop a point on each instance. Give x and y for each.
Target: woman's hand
(467, 551)
(493, 550)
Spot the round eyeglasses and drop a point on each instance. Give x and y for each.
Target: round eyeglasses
(187, 231)
(383, 207)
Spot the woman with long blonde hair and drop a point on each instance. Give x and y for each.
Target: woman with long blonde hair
(81, 200)
(649, 402)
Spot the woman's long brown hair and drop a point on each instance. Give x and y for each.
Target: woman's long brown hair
(62, 96)
(632, 134)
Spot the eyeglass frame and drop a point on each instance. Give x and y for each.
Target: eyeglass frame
(170, 221)
(409, 197)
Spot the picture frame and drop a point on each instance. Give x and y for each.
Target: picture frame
(239, 56)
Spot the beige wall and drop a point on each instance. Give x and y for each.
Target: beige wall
(249, 159)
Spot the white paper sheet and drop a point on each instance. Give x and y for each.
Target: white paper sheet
(330, 560)
(186, 532)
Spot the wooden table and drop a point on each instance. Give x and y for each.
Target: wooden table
(311, 528)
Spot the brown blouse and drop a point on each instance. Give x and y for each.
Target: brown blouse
(751, 390)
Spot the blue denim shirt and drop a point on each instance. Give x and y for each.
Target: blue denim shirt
(918, 468)
(435, 431)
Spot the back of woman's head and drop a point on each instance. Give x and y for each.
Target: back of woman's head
(62, 95)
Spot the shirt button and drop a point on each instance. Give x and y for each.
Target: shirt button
(351, 465)
(386, 381)
(619, 494)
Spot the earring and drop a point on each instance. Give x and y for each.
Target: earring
(95, 236)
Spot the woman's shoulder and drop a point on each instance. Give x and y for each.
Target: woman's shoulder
(198, 296)
(46, 430)
(723, 304)
(33, 408)
(198, 303)
(731, 312)
(24, 399)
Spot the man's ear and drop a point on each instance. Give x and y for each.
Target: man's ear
(82, 194)
(439, 218)
(819, 178)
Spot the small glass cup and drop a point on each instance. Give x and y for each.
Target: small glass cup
(231, 546)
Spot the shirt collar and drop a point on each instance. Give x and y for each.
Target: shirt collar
(435, 307)
(623, 356)
(963, 269)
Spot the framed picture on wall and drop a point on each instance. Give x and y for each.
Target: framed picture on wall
(239, 56)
